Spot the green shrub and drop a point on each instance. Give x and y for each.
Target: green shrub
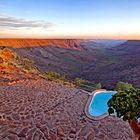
(98, 86)
(78, 81)
(123, 86)
(53, 76)
(28, 64)
(126, 104)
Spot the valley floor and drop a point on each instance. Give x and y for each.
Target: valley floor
(39, 110)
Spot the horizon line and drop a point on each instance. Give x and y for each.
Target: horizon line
(60, 38)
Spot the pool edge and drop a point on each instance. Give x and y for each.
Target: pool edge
(88, 104)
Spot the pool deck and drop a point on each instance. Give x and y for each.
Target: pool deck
(42, 110)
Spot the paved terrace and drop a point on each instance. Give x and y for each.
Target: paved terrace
(42, 110)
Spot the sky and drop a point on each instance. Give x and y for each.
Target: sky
(94, 19)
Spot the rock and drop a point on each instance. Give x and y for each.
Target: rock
(63, 120)
(51, 137)
(96, 130)
(23, 132)
(12, 132)
(73, 131)
(15, 116)
(45, 131)
(81, 138)
(12, 83)
(60, 132)
(72, 136)
(90, 136)
(84, 131)
(11, 137)
(100, 136)
(1, 60)
(30, 134)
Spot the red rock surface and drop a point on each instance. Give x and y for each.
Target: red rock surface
(11, 67)
(62, 43)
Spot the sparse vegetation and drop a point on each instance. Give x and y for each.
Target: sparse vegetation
(28, 63)
(98, 86)
(88, 86)
(13, 67)
(53, 76)
(78, 82)
(122, 86)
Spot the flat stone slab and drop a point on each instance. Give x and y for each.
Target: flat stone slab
(42, 110)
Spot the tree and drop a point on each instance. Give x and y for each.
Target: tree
(98, 86)
(51, 75)
(79, 81)
(126, 105)
(123, 86)
(28, 63)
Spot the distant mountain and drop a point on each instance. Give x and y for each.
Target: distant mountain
(120, 63)
(91, 45)
(128, 47)
(23, 43)
(109, 43)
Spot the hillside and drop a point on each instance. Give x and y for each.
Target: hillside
(120, 63)
(14, 68)
(66, 56)
(129, 47)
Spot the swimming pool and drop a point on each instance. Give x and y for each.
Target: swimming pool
(97, 106)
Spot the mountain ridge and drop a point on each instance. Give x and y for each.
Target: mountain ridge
(130, 46)
(22, 43)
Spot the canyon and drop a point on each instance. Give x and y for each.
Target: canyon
(91, 60)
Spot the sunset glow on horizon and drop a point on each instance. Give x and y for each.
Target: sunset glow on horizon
(93, 19)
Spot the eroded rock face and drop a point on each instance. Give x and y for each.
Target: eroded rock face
(12, 68)
(21, 43)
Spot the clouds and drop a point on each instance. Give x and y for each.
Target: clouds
(14, 23)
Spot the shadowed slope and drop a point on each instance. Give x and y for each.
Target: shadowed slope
(121, 63)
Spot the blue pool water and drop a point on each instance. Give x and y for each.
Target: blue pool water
(98, 105)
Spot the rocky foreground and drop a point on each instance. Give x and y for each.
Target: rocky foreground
(42, 110)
